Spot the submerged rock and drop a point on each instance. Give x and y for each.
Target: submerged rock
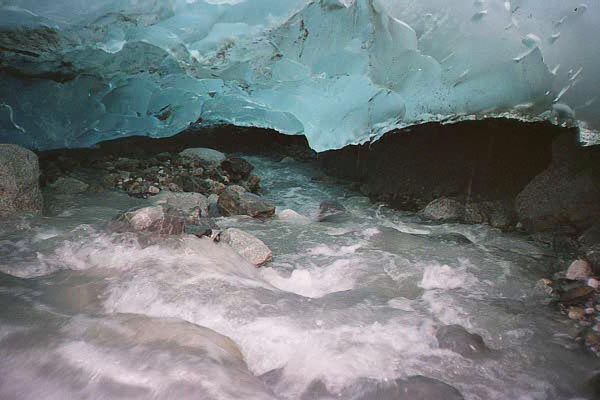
(248, 246)
(204, 155)
(413, 388)
(19, 179)
(459, 340)
(236, 201)
(69, 185)
(330, 211)
(444, 210)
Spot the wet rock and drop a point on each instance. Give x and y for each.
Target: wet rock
(137, 219)
(576, 295)
(205, 155)
(238, 168)
(236, 201)
(287, 160)
(413, 388)
(166, 221)
(69, 185)
(331, 211)
(253, 184)
(576, 313)
(317, 390)
(293, 217)
(557, 197)
(19, 180)
(593, 385)
(579, 270)
(444, 210)
(248, 246)
(459, 340)
(186, 202)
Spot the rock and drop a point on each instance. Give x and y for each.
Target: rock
(190, 183)
(557, 197)
(237, 168)
(579, 270)
(331, 211)
(444, 209)
(413, 388)
(594, 283)
(153, 190)
(576, 295)
(68, 185)
(253, 184)
(186, 202)
(287, 160)
(236, 201)
(248, 246)
(19, 180)
(205, 155)
(459, 340)
(593, 384)
(293, 217)
(204, 227)
(165, 221)
(576, 313)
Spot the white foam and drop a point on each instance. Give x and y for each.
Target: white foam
(315, 282)
(438, 276)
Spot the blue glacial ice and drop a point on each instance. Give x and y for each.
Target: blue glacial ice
(75, 72)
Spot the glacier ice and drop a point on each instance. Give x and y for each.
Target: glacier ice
(75, 72)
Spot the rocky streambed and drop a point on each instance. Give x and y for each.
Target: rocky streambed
(200, 273)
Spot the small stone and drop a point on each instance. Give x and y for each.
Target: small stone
(330, 211)
(287, 160)
(579, 270)
(594, 283)
(153, 190)
(248, 246)
(576, 313)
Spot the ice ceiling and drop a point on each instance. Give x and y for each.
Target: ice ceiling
(75, 72)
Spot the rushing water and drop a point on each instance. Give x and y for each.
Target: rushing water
(85, 314)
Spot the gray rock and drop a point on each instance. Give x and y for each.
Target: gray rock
(412, 388)
(331, 211)
(165, 221)
(248, 246)
(236, 201)
(205, 155)
(19, 180)
(444, 209)
(69, 185)
(557, 197)
(459, 340)
(579, 270)
(184, 201)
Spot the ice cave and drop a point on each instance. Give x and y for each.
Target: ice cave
(300, 199)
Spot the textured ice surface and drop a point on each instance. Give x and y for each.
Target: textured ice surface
(339, 71)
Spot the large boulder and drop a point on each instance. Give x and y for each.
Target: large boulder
(19, 179)
(559, 196)
(204, 155)
(248, 246)
(236, 201)
(190, 203)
